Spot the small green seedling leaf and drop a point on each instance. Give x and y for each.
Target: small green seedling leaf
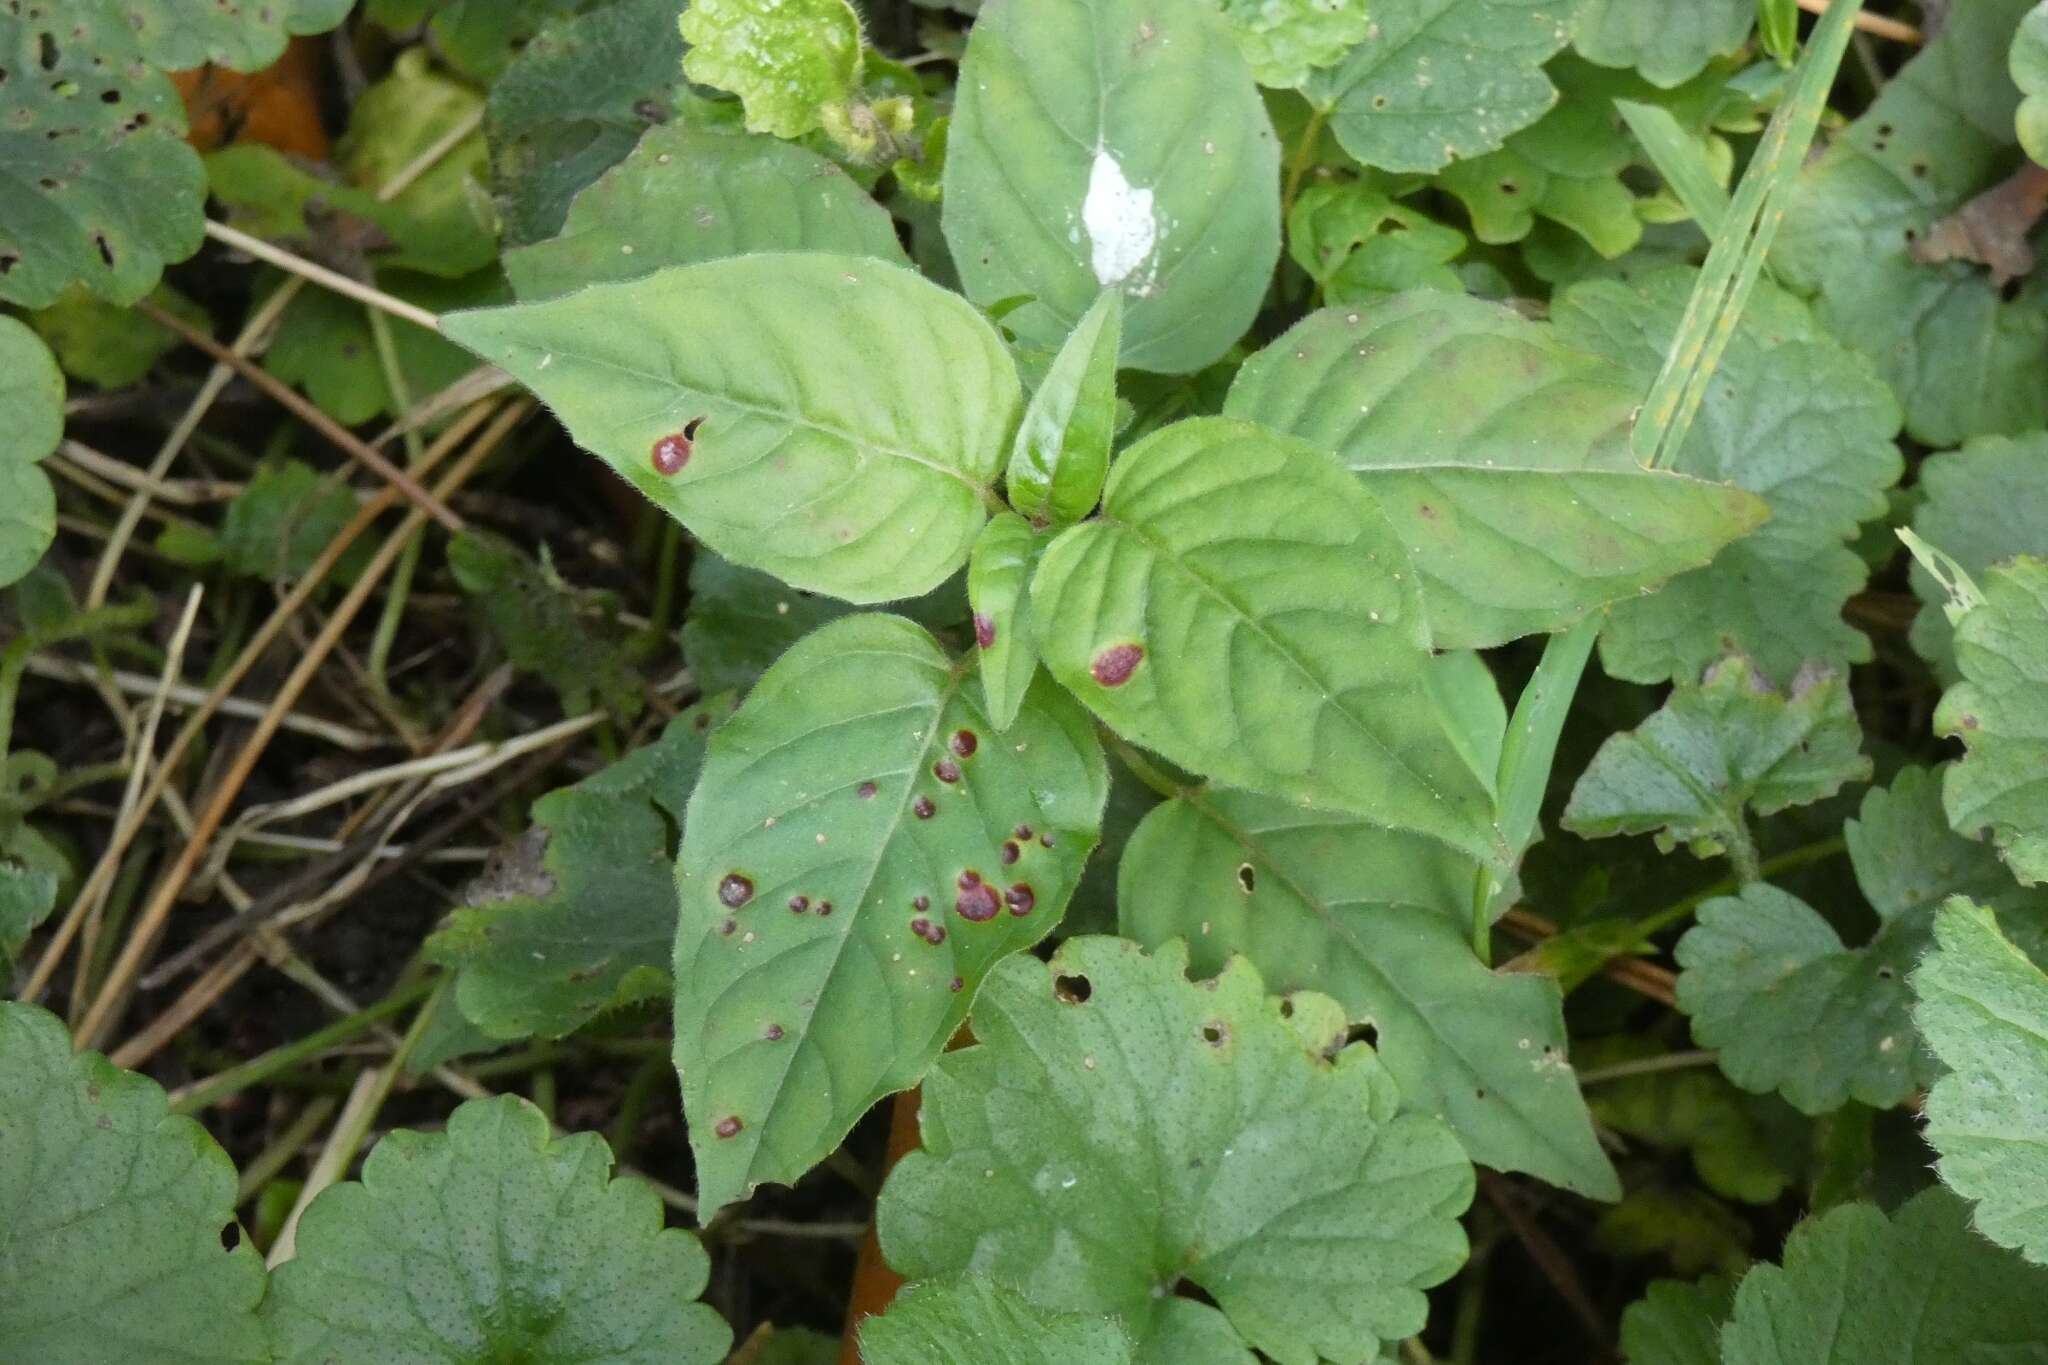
(1499, 454)
(789, 61)
(27, 896)
(977, 1320)
(1119, 1128)
(1357, 243)
(492, 1242)
(999, 587)
(32, 396)
(1667, 45)
(1982, 504)
(2029, 64)
(108, 346)
(325, 345)
(834, 420)
(1284, 40)
(2000, 712)
(1243, 608)
(1061, 454)
(1678, 1323)
(544, 626)
(862, 848)
(282, 520)
(110, 1249)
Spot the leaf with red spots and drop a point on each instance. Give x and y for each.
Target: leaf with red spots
(1061, 455)
(999, 585)
(863, 773)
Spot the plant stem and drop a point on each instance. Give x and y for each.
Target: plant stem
(256, 1070)
(1301, 159)
(1647, 1066)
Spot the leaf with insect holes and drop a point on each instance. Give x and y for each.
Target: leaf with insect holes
(2029, 64)
(1791, 416)
(492, 1242)
(1499, 454)
(1984, 503)
(1118, 1128)
(977, 1320)
(1061, 454)
(686, 195)
(1375, 918)
(1439, 80)
(32, 396)
(580, 916)
(787, 60)
(1770, 985)
(1666, 44)
(999, 586)
(1114, 144)
(1284, 40)
(1678, 1322)
(834, 420)
(111, 1213)
(1916, 1288)
(2000, 712)
(1983, 1008)
(1243, 608)
(862, 848)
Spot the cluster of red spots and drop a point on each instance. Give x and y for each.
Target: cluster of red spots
(1113, 666)
(931, 933)
(923, 808)
(735, 890)
(976, 903)
(865, 791)
(729, 1126)
(946, 770)
(984, 630)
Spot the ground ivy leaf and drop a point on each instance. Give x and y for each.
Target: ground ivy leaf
(1984, 503)
(1769, 983)
(1284, 42)
(1668, 45)
(786, 59)
(1499, 454)
(324, 344)
(841, 433)
(1061, 454)
(1678, 1322)
(1357, 243)
(107, 346)
(1375, 918)
(1114, 144)
(544, 626)
(999, 586)
(1983, 1008)
(111, 1212)
(1437, 80)
(1243, 608)
(32, 396)
(1918, 1288)
(1730, 746)
(1962, 358)
(978, 1320)
(1791, 416)
(1119, 1128)
(2029, 64)
(856, 858)
(2000, 712)
(686, 195)
(282, 520)
(493, 1242)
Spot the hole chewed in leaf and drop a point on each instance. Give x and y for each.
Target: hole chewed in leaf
(1247, 878)
(1073, 990)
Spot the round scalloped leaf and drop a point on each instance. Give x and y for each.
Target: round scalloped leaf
(2029, 62)
(111, 1213)
(2000, 712)
(786, 59)
(1118, 1129)
(1284, 40)
(1981, 504)
(1243, 608)
(862, 848)
(492, 1242)
(176, 34)
(1499, 454)
(1119, 143)
(1667, 44)
(32, 396)
(980, 1321)
(834, 420)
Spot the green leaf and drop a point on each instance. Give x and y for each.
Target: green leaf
(1245, 610)
(1377, 919)
(1357, 243)
(999, 586)
(1962, 359)
(542, 625)
(787, 60)
(854, 862)
(1678, 1323)
(686, 195)
(1690, 170)
(476, 37)
(1061, 454)
(841, 434)
(1114, 143)
(1284, 41)
(396, 122)
(324, 344)
(32, 396)
(1118, 1129)
(1984, 1012)
(1499, 455)
(110, 1247)
(1982, 504)
(2000, 712)
(1771, 986)
(283, 519)
(977, 1320)
(1717, 752)
(492, 1242)
(1791, 416)
(2029, 64)
(579, 916)
(108, 346)
(1439, 80)
(27, 895)
(1918, 1288)
(1692, 1108)
(1667, 44)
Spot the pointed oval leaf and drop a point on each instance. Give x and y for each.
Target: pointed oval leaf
(1242, 607)
(2000, 712)
(1499, 454)
(999, 587)
(855, 860)
(32, 396)
(1114, 144)
(834, 420)
(978, 1320)
(1061, 454)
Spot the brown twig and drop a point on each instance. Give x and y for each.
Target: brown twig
(1876, 25)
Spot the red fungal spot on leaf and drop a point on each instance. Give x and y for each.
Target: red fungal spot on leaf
(1021, 833)
(934, 934)
(957, 984)
(1113, 666)
(1021, 898)
(865, 791)
(1045, 840)
(671, 453)
(946, 770)
(799, 904)
(923, 808)
(977, 901)
(729, 1126)
(969, 878)
(735, 891)
(728, 926)
(1009, 852)
(984, 630)
(965, 743)
(921, 903)
(824, 909)
(773, 1033)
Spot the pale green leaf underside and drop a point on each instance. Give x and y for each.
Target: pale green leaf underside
(1499, 454)
(1243, 608)
(861, 776)
(849, 416)
(1375, 919)
(2000, 712)
(1094, 1153)
(977, 1320)
(492, 1242)
(1119, 143)
(111, 1212)
(32, 396)
(2029, 64)
(685, 195)
(999, 587)
(785, 59)
(1983, 1008)
(1667, 44)
(1981, 504)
